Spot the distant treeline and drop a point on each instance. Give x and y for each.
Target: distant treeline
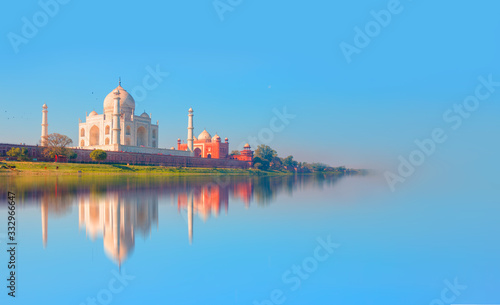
(266, 158)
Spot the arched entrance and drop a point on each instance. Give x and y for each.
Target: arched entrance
(209, 156)
(197, 152)
(142, 136)
(94, 136)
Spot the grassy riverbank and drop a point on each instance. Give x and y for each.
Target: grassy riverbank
(50, 168)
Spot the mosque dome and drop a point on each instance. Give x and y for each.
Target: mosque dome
(127, 103)
(93, 113)
(145, 115)
(216, 137)
(246, 146)
(204, 135)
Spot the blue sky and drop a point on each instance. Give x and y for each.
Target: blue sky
(263, 56)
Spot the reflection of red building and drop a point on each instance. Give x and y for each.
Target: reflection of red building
(207, 200)
(207, 147)
(243, 191)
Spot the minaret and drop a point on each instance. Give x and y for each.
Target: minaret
(45, 125)
(116, 118)
(190, 130)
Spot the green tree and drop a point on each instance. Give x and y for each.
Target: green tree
(72, 154)
(318, 167)
(56, 145)
(265, 152)
(289, 162)
(235, 153)
(276, 163)
(98, 155)
(14, 152)
(21, 154)
(260, 163)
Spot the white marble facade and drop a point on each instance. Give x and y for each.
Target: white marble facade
(135, 130)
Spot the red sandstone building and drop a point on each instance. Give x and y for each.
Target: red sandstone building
(206, 146)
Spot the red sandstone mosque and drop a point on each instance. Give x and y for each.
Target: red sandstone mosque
(206, 146)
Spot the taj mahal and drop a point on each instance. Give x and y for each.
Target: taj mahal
(118, 128)
(134, 139)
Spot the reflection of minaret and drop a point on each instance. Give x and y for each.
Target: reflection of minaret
(45, 214)
(190, 217)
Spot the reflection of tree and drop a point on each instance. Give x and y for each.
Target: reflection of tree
(118, 207)
(60, 191)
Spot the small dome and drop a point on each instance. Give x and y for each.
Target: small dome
(204, 135)
(190, 110)
(226, 139)
(195, 138)
(216, 137)
(246, 146)
(145, 115)
(45, 106)
(93, 113)
(172, 148)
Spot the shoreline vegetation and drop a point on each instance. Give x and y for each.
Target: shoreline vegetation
(266, 162)
(53, 168)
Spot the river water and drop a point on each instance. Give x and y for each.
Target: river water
(249, 240)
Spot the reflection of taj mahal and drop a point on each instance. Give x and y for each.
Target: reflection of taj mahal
(116, 219)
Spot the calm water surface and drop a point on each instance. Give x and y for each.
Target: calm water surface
(278, 240)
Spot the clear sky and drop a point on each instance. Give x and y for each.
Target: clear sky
(264, 55)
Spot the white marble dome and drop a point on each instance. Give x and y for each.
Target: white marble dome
(204, 135)
(127, 102)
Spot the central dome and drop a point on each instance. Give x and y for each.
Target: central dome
(204, 135)
(127, 103)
